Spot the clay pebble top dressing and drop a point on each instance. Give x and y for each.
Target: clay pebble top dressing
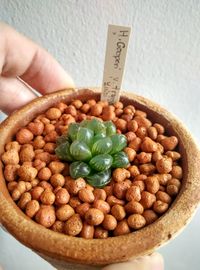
(49, 188)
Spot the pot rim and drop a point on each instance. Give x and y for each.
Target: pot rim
(112, 249)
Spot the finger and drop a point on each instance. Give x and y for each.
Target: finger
(153, 262)
(13, 94)
(22, 57)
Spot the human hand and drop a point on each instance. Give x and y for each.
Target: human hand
(152, 262)
(22, 58)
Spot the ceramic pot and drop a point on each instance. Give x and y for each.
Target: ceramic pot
(65, 252)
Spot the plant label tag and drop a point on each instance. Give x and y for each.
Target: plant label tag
(116, 50)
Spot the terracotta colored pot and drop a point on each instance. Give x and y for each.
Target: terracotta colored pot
(61, 250)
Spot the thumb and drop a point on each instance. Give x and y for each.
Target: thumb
(152, 262)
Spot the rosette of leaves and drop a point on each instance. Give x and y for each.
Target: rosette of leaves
(93, 149)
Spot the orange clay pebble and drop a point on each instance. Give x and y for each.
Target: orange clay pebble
(94, 216)
(112, 200)
(45, 185)
(38, 142)
(136, 221)
(10, 157)
(64, 212)
(53, 113)
(58, 226)
(133, 170)
(119, 189)
(118, 212)
(160, 207)
(134, 207)
(142, 121)
(11, 186)
(163, 196)
(24, 199)
(121, 124)
(77, 103)
(147, 199)
(100, 233)
(62, 196)
(71, 110)
(87, 231)
(133, 193)
(148, 145)
(73, 225)
(163, 178)
(56, 166)
(74, 202)
(36, 128)
(135, 144)
(86, 195)
(44, 174)
(74, 186)
(130, 136)
(10, 172)
(26, 153)
(102, 205)
(82, 208)
(96, 110)
(144, 157)
(120, 174)
(36, 192)
(122, 228)
(164, 165)
(152, 184)
(24, 135)
(141, 132)
(132, 126)
(32, 207)
(57, 179)
(99, 194)
(27, 173)
(130, 153)
(109, 223)
(140, 184)
(150, 216)
(177, 172)
(169, 143)
(13, 145)
(173, 155)
(152, 132)
(46, 216)
(47, 197)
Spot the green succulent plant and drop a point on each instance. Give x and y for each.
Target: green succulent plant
(93, 148)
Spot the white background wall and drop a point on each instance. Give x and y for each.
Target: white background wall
(163, 64)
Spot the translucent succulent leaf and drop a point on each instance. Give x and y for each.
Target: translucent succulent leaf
(62, 139)
(120, 160)
(80, 151)
(98, 137)
(97, 126)
(119, 142)
(73, 130)
(99, 179)
(79, 169)
(84, 123)
(110, 128)
(101, 162)
(102, 146)
(85, 135)
(63, 151)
